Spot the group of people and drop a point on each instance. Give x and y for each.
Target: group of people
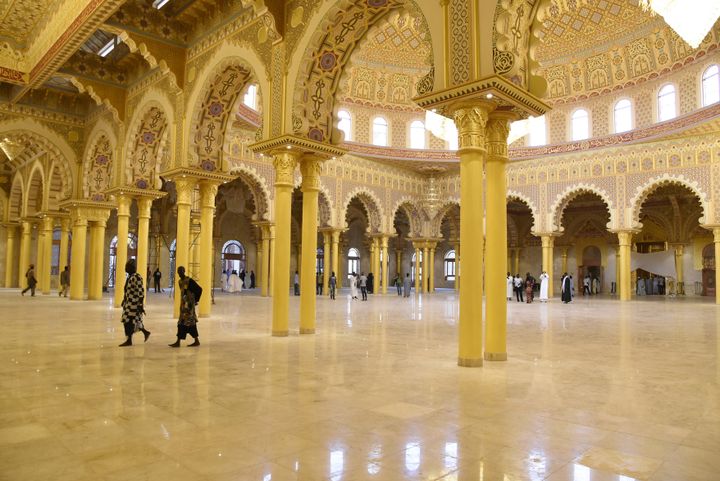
(133, 306)
(31, 282)
(235, 282)
(518, 286)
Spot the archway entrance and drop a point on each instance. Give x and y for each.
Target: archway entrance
(591, 269)
(708, 271)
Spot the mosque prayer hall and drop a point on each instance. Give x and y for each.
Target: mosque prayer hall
(360, 240)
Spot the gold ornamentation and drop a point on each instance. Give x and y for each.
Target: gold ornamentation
(184, 188)
(310, 169)
(471, 123)
(284, 163)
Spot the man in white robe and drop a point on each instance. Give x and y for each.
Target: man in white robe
(510, 286)
(544, 282)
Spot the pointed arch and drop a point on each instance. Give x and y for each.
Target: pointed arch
(17, 198)
(562, 200)
(259, 188)
(413, 213)
(35, 194)
(372, 205)
(643, 191)
(515, 195)
(148, 139)
(442, 211)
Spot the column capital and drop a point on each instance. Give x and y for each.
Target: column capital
(497, 130)
(310, 168)
(208, 192)
(144, 205)
(184, 187)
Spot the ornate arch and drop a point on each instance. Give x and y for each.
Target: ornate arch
(35, 194)
(97, 172)
(329, 46)
(325, 212)
(258, 187)
(442, 211)
(562, 200)
(4, 206)
(56, 189)
(413, 213)
(372, 206)
(148, 138)
(643, 191)
(16, 201)
(514, 195)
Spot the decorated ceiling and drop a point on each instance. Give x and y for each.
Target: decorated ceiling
(19, 20)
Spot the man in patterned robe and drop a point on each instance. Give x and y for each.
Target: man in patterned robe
(133, 304)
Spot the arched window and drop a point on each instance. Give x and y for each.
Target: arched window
(380, 132)
(250, 98)
(412, 267)
(711, 85)
(449, 266)
(417, 135)
(666, 103)
(622, 116)
(131, 254)
(233, 257)
(353, 261)
(538, 131)
(580, 125)
(345, 124)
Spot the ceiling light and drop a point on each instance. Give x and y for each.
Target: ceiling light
(159, 3)
(489, 96)
(109, 47)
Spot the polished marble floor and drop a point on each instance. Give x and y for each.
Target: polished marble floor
(592, 391)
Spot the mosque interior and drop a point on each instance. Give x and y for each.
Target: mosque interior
(449, 142)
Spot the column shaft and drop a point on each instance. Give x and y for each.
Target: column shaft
(25, 238)
(417, 270)
(310, 169)
(284, 163)
(431, 271)
(40, 273)
(336, 255)
(624, 240)
(271, 275)
(716, 239)
(385, 263)
(425, 268)
(208, 191)
(143, 243)
(77, 267)
(95, 268)
(47, 227)
(326, 263)
(10, 258)
(123, 221)
(64, 242)
(264, 266)
(457, 266)
(184, 188)
(548, 242)
(376, 266)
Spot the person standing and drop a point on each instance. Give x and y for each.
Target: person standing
(407, 285)
(398, 284)
(332, 284)
(566, 288)
(190, 293)
(252, 279)
(64, 282)
(371, 283)
(242, 279)
(363, 286)
(31, 281)
(586, 285)
(518, 283)
(529, 286)
(353, 286)
(510, 286)
(133, 304)
(544, 281)
(296, 284)
(318, 284)
(157, 276)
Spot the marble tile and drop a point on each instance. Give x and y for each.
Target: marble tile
(595, 390)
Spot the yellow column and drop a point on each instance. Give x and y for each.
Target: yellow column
(417, 268)
(431, 271)
(25, 240)
(498, 128)
(194, 248)
(264, 265)
(398, 264)
(271, 274)
(372, 255)
(184, 187)
(208, 191)
(123, 219)
(385, 263)
(624, 240)
(310, 169)
(284, 163)
(326, 263)
(64, 242)
(335, 237)
(425, 268)
(471, 121)
(95, 267)
(11, 230)
(40, 257)
(376, 265)
(716, 240)
(47, 239)
(457, 266)
(143, 233)
(77, 266)
(548, 243)
(679, 264)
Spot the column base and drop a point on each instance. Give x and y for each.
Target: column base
(203, 315)
(307, 330)
(470, 362)
(495, 356)
(280, 333)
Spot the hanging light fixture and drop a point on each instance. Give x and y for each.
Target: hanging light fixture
(691, 19)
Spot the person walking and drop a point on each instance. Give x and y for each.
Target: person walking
(332, 284)
(157, 276)
(363, 286)
(353, 286)
(31, 281)
(398, 284)
(566, 289)
(544, 282)
(518, 283)
(318, 283)
(370, 283)
(190, 293)
(296, 284)
(133, 304)
(242, 278)
(252, 279)
(64, 282)
(510, 286)
(586, 285)
(407, 285)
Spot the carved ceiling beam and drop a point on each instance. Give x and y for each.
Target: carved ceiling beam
(66, 44)
(111, 96)
(172, 56)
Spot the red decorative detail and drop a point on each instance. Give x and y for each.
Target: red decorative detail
(11, 75)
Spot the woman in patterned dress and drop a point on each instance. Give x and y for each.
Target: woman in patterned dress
(190, 293)
(133, 304)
